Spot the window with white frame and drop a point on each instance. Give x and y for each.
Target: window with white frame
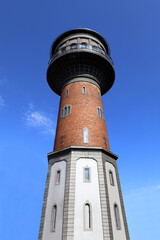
(53, 218)
(87, 174)
(85, 135)
(67, 93)
(83, 89)
(66, 110)
(100, 112)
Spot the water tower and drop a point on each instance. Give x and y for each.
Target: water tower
(83, 198)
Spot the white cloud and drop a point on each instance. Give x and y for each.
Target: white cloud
(147, 189)
(2, 102)
(37, 119)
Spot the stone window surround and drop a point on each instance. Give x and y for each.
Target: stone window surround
(85, 137)
(84, 179)
(68, 111)
(100, 112)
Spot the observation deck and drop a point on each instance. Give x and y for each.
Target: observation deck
(80, 53)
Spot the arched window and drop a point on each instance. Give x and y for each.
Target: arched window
(73, 46)
(53, 218)
(83, 89)
(117, 217)
(95, 48)
(67, 93)
(111, 177)
(87, 217)
(65, 111)
(63, 49)
(83, 45)
(58, 177)
(69, 109)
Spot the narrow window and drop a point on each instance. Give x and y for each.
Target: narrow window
(67, 93)
(86, 174)
(117, 218)
(65, 111)
(62, 112)
(98, 111)
(98, 95)
(83, 89)
(111, 177)
(53, 218)
(85, 135)
(69, 109)
(58, 177)
(87, 216)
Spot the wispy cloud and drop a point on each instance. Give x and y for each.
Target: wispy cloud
(147, 189)
(40, 120)
(2, 103)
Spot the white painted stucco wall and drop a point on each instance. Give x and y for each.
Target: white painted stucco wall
(55, 196)
(118, 234)
(87, 191)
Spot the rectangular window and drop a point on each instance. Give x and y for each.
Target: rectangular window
(86, 174)
(58, 177)
(98, 95)
(85, 135)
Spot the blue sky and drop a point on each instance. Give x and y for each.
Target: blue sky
(28, 108)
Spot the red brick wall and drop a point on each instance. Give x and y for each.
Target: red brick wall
(83, 114)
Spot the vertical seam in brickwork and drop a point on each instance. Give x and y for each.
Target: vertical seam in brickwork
(44, 204)
(122, 204)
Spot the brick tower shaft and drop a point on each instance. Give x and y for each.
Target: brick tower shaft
(81, 120)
